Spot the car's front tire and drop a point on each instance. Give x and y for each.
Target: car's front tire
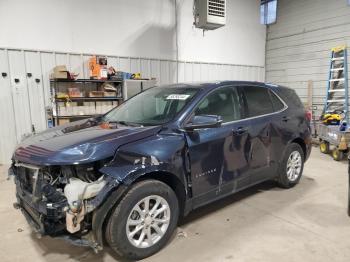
(291, 166)
(144, 220)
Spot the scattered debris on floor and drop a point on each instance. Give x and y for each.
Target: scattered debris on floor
(182, 234)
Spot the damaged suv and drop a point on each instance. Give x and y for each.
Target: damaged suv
(125, 178)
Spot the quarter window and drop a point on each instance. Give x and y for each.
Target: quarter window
(276, 102)
(223, 102)
(258, 101)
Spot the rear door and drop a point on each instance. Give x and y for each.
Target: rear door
(259, 110)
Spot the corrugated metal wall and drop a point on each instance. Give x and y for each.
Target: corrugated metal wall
(299, 44)
(23, 98)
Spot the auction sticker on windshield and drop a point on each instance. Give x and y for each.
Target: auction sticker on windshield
(177, 97)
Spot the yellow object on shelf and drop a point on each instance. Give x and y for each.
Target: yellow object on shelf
(339, 48)
(331, 119)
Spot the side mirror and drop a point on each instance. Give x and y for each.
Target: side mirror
(203, 121)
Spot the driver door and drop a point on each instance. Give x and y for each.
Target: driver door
(213, 151)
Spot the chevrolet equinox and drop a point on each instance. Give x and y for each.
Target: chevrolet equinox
(125, 178)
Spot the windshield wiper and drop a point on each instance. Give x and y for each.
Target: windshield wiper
(124, 123)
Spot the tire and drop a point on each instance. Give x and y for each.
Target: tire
(337, 154)
(286, 178)
(117, 228)
(324, 147)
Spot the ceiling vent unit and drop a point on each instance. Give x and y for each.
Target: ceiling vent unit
(209, 14)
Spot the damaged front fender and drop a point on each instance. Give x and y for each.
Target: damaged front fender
(160, 153)
(133, 161)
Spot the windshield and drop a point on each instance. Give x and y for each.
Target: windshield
(155, 106)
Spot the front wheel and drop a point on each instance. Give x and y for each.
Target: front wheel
(144, 220)
(291, 167)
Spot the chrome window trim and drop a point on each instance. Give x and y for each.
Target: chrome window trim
(242, 119)
(198, 103)
(273, 113)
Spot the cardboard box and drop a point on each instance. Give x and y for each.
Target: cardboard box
(74, 92)
(63, 121)
(109, 94)
(96, 94)
(60, 72)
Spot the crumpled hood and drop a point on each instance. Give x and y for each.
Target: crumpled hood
(78, 142)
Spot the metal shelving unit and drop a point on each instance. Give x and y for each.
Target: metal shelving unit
(84, 85)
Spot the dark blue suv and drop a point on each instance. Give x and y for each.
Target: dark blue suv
(126, 177)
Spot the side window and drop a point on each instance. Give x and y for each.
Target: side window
(276, 102)
(223, 102)
(291, 97)
(258, 100)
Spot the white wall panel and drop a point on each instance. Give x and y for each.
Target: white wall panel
(20, 92)
(196, 72)
(299, 45)
(47, 63)
(145, 68)
(173, 71)
(135, 65)
(188, 72)
(36, 90)
(22, 105)
(133, 28)
(8, 129)
(155, 70)
(124, 64)
(164, 72)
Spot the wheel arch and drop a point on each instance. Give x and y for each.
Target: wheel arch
(170, 180)
(102, 215)
(301, 143)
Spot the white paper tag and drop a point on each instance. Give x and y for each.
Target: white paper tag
(177, 97)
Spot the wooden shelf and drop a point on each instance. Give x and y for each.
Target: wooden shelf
(85, 81)
(75, 116)
(87, 99)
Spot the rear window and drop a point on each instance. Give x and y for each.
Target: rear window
(258, 101)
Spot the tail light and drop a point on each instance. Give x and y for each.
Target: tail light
(308, 115)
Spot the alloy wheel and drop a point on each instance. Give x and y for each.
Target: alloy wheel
(294, 164)
(148, 221)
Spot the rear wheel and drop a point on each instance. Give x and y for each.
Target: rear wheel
(324, 147)
(144, 220)
(291, 167)
(337, 154)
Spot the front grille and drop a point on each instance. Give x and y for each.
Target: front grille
(26, 178)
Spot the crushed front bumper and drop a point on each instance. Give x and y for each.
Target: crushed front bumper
(49, 218)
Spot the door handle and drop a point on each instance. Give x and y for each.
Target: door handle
(285, 118)
(240, 131)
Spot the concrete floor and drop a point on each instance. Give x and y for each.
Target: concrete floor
(265, 223)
